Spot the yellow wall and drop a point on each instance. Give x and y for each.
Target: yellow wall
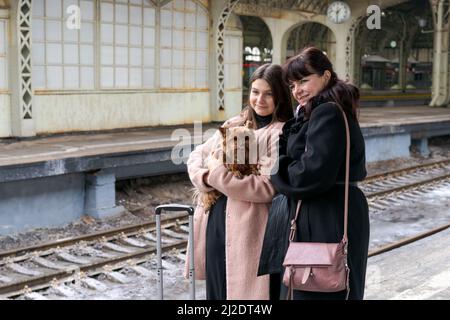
(5, 116)
(233, 103)
(55, 113)
(205, 3)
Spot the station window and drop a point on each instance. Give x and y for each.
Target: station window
(127, 41)
(184, 45)
(63, 55)
(3, 54)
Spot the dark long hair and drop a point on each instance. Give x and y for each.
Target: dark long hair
(313, 61)
(273, 74)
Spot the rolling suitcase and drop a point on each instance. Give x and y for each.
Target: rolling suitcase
(190, 211)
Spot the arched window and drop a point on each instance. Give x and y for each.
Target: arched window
(184, 45)
(63, 57)
(256, 54)
(267, 55)
(127, 44)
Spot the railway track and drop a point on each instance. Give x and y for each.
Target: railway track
(407, 178)
(385, 190)
(82, 258)
(27, 270)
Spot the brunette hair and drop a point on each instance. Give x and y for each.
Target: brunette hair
(313, 61)
(273, 74)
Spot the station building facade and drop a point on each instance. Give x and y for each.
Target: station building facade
(140, 63)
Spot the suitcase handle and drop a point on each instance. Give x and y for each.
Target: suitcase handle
(190, 211)
(174, 207)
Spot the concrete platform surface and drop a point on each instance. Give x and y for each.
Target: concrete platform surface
(370, 117)
(87, 144)
(417, 271)
(38, 149)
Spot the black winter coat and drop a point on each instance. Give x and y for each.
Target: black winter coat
(312, 168)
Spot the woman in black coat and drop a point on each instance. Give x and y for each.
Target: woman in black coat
(312, 168)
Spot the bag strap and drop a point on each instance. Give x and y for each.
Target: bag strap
(347, 177)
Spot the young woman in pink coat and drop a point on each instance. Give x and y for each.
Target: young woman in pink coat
(228, 239)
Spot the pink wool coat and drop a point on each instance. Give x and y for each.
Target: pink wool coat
(248, 203)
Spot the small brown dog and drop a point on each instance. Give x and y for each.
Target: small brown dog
(238, 140)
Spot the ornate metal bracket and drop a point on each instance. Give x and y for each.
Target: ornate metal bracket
(221, 53)
(24, 17)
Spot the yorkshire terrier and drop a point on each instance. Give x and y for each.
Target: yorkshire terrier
(240, 140)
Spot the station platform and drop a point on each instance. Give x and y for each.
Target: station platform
(69, 153)
(390, 131)
(420, 122)
(417, 271)
(56, 179)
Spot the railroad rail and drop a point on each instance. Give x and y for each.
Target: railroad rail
(82, 258)
(408, 240)
(406, 178)
(408, 184)
(41, 266)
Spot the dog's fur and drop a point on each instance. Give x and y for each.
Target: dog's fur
(239, 170)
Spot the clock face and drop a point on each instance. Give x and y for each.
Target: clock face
(338, 12)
